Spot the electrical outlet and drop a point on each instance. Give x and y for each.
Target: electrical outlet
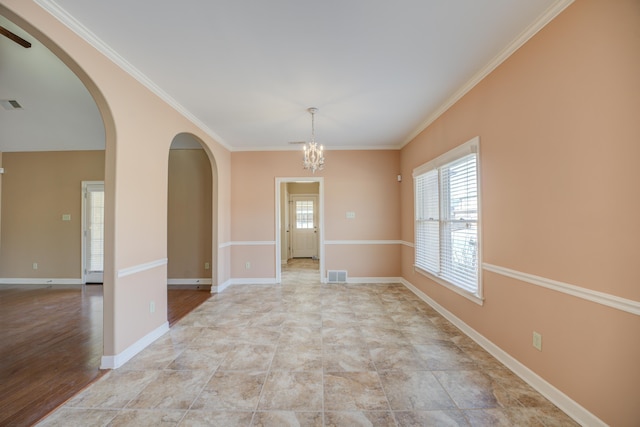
(206, 265)
(247, 265)
(35, 265)
(537, 341)
(152, 307)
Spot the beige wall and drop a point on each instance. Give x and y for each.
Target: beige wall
(359, 181)
(189, 214)
(559, 132)
(38, 188)
(41, 186)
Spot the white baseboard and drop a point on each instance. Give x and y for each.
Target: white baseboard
(190, 282)
(114, 362)
(39, 281)
(254, 281)
(557, 397)
(221, 287)
(374, 280)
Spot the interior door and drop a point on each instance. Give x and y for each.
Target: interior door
(93, 231)
(304, 226)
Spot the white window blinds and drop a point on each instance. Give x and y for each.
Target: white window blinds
(446, 217)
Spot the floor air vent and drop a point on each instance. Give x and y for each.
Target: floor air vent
(337, 276)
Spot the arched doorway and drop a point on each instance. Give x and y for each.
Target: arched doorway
(37, 76)
(191, 214)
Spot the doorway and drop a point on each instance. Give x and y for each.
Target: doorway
(303, 226)
(299, 222)
(92, 231)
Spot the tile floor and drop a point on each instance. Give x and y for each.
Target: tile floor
(306, 354)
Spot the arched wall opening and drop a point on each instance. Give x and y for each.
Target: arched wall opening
(192, 212)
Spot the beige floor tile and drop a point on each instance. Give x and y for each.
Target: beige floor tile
(297, 357)
(287, 419)
(397, 358)
(340, 358)
(199, 358)
(245, 357)
(469, 389)
(79, 417)
(115, 390)
(415, 391)
(171, 390)
(292, 391)
(305, 353)
(354, 391)
(204, 418)
(359, 419)
(453, 418)
(444, 355)
(144, 417)
(231, 391)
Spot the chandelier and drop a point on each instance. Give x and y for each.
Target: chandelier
(313, 153)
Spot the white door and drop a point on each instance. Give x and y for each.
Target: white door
(304, 226)
(93, 231)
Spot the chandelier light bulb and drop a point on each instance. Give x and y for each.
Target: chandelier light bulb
(313, 154)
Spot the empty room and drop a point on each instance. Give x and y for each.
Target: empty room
(406, 213)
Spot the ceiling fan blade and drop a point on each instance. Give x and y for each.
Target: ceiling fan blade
(297, 142)
(22, 42)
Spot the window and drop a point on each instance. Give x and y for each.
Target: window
(447, 219)
(304, 214)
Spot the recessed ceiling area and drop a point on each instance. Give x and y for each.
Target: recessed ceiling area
(246, 71)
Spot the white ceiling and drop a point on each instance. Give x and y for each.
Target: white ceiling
(246, 71)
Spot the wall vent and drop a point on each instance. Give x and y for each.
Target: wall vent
(337, 276)
(10, 104)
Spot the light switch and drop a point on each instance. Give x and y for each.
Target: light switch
(66, 217)
(351, 215)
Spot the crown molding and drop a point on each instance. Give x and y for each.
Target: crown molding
(84, 33)
(549, 15)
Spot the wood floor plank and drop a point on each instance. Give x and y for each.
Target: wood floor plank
(51, 345)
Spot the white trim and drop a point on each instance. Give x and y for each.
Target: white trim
(84, 227)
(321, 242)
(141, 267)
(221, 287)
(253, 281)
(40, 281)
(630, 306)
(332, 148)
(201, 281)
(224, 245)
(363, 242)
(408, 244)
(114, 362)
(84, 33)
(548, 16)
(557, 397)
(469, 147)
(458, 290)
(374, 280)
(248, 243)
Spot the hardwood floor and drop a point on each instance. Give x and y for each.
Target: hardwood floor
(51, 345)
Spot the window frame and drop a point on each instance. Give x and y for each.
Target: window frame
(470, 147)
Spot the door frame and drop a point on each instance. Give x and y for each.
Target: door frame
(83, 225)
(279, 213)
(292, 220)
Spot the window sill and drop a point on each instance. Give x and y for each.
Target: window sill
(468, 295)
